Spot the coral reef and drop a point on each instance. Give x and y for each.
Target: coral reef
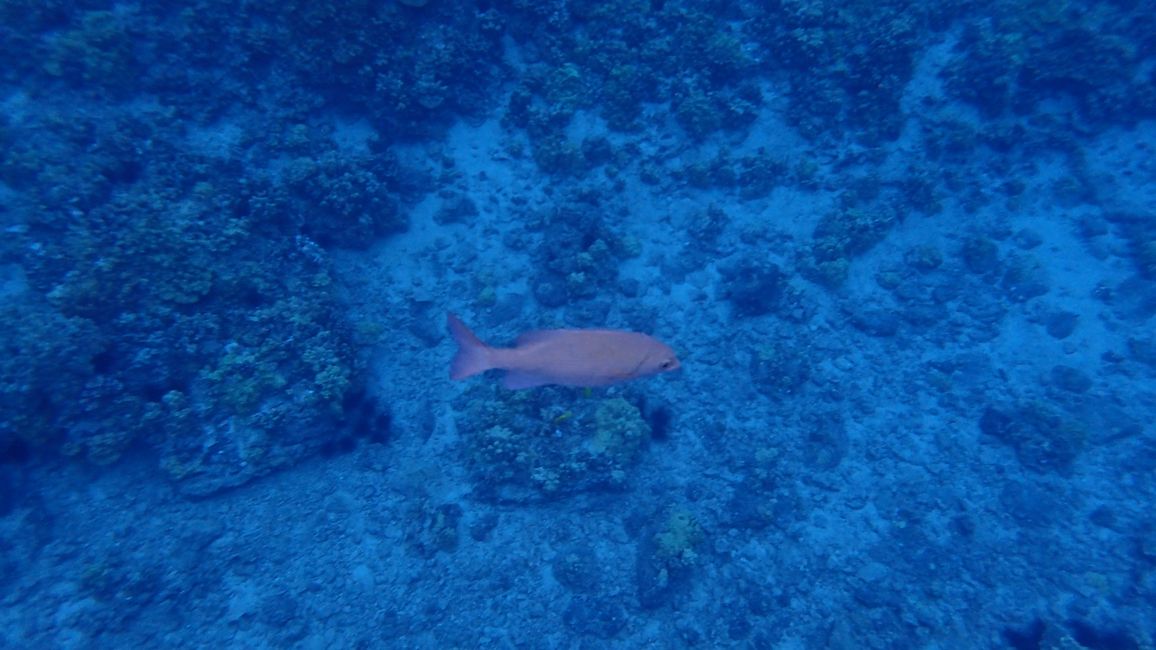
(842, 235)
(201, 321)
(666, 557)
(1043, 439)
(526, 446)
(582, 258)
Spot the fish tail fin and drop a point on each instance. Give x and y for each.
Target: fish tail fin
(473, 357)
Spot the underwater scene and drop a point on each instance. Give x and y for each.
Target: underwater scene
(576, 324)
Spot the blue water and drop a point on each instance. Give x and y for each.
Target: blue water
(906, 254)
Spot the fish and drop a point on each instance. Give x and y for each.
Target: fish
(584, 358)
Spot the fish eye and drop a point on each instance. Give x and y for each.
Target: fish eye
(665, 365)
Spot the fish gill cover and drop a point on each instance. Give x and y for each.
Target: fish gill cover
(905, 252)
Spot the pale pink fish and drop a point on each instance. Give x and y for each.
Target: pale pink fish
(565, 357)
